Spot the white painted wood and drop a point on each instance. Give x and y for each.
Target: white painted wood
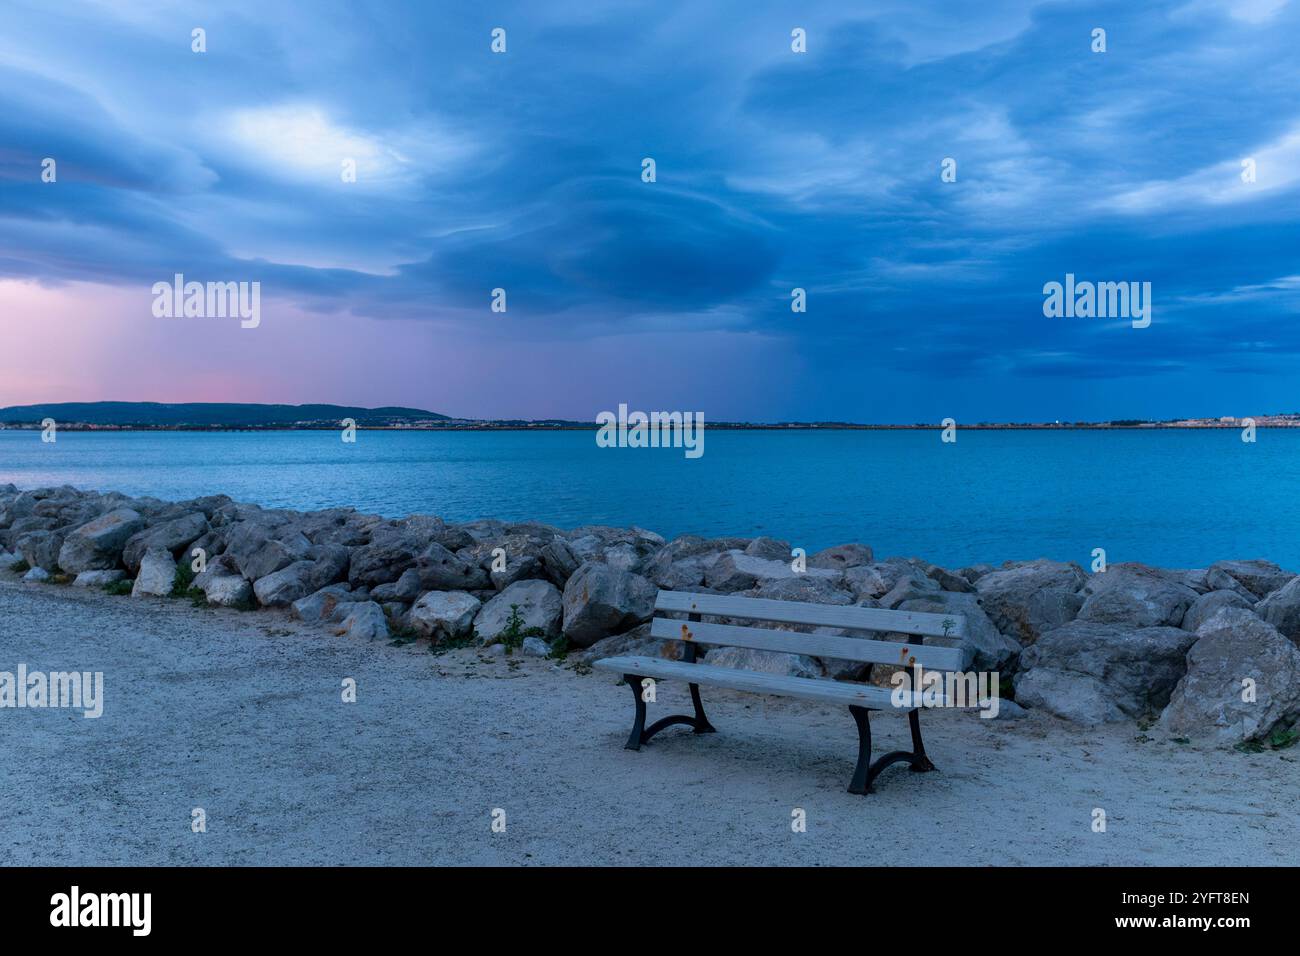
(827, 691)
(798, 612)
(814, 645)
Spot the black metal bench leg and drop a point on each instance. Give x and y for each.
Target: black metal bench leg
(636, 738)
(861, 783)
(920, 762)
(702, 725)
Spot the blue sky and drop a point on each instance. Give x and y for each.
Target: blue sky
(775, 170)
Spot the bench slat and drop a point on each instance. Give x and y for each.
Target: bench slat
(827, 691)
(815, 645)
(797, 612)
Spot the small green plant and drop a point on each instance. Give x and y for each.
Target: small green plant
(559, 648)
(948, 624)
(119, 588)
(1006, 687)
(20, 567)
(182, 580)
(197, 597)
(515, 632)
(1249, 747)
(1280, 739)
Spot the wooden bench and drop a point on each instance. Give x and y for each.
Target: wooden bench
(861, 699)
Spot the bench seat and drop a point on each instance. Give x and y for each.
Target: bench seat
(830, 692)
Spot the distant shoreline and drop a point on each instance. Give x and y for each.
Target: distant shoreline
(578, 426)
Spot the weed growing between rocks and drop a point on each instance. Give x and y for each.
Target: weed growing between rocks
(20, 567)
(119, 588)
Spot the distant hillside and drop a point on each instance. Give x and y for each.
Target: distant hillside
(207, 414)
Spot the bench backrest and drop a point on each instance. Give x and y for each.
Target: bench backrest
(872, 619)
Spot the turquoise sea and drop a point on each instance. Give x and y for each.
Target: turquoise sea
(1171, 498)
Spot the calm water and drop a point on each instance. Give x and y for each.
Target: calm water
(1172, 498)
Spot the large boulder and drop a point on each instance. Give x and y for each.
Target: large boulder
(320, 605)
(97, 544)
(558, 561)
(624, 549)
(442, 570)
(1094, 673)
(99, 578)
(384, 559)
(1027, 600)
(281, 588)
(1242, 682)
(365, 622)
(1211, 603)
(600, 600)
(1135, 595)
(1281, 609)
(540, 606)
(841, 557)
(157, 574)
(739, 571)
(40, 549)
(682, 563)
(274, 555)
(174, 535)
(1259, 577)
(445, 615)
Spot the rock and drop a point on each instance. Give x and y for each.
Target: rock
(330, 564)
(600, 601)
(801, 587)
(540, 606)
(770, 549)
(36, 576)
(876, 580)
(1094, 673)
(1135, 595)
(974, 572)
(624, 549)
(98, 579)
(8, 560)
(40, 549)
(1281, 609)
(228, 590)
(1027, 600)
(445, 615)
(535, 647)
(738, 571)
(97, 544)
(947, 580)
(1259, 577)
(274, 555)
(1232, 647)
(157, 574)
(841, 557)
(915, 583)
(441, 570)
(1216, 579)
(494, 650)
(558, 561)
(384, 559)
(769, 662)
(1209, 604)
(406, 588)
(174, 535)
(681, 564)
(281, 588)
(366, 622)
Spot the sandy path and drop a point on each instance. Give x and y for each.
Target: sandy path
(241, 714)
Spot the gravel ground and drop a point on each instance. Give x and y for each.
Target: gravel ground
(241, 714)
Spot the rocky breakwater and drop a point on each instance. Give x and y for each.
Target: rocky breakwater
(1209, 654)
